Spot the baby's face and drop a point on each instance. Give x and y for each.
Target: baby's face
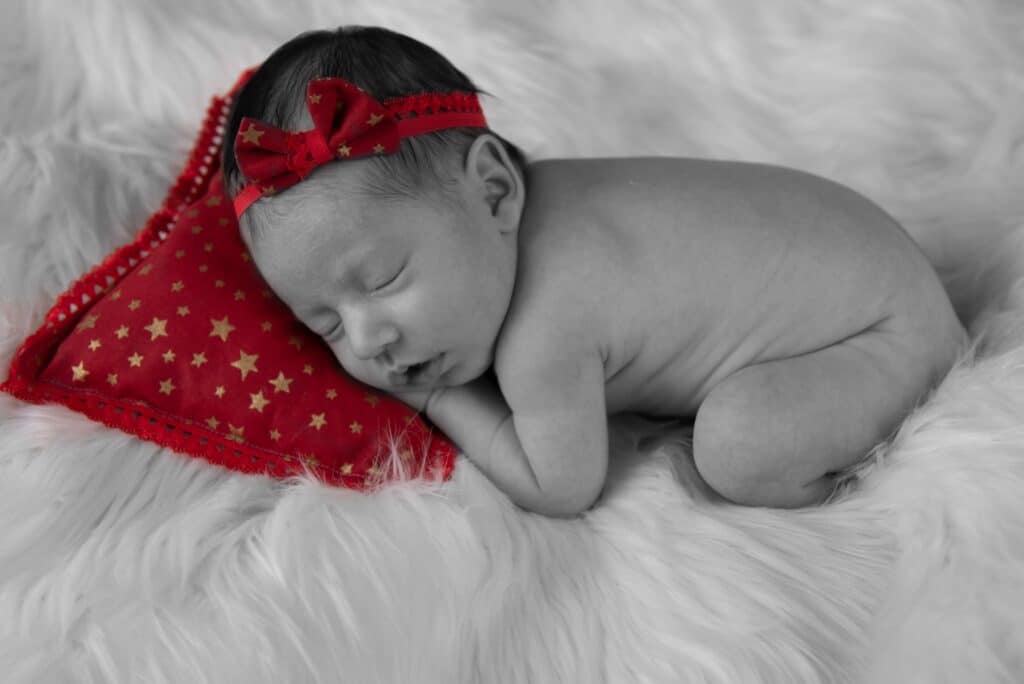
(408, 293)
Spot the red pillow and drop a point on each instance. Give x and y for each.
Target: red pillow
(176, 338)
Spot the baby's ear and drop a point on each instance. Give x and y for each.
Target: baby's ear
(496, 180)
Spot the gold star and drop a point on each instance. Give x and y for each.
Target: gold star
(236, 432)
(116, 294)
(317, 420)
(166, 386)
(199, 359)
(374, 119)
(221, 329)
(356, 428)
(88, 322)
(79, 372)
(281, 383)
(307, 369)
(293, 340)
(332, 393)
(192, 213)
(252, 135)
(179, 254)
(344, 151)
(222, 221)
(378, 148)
(218, 283)
(371, 399)
(266, 326)
(146, 269)
(246, 363)
(158, 328)
(121, 332)
(219, 391)
(135, 360)
(244, 256)
(134, 304)
(258, 401)
(268, 189)
(112, 378)
(184, 311)
(213, 422)
(203, 268)
(346, 469)
(208, 247)
(196, 230)
(315, 99)
(94, 345)
(168, 356)
(275, 435)
(214, 201)
(239, 295)
(177, 286)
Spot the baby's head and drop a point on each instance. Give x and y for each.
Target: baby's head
(404, 263)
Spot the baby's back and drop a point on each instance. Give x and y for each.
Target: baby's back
(682, 271)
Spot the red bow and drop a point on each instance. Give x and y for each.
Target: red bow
(347, 124)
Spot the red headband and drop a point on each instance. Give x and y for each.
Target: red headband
(347, 124)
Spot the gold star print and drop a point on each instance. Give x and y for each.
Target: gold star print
(221, 329)
(293, 340)
(214, 201)
(94, 345)
(246, 363)
(236, 432)
(177, 286)
(281, 383)
(315, 99)
(158, 328)
(252, 135)
(239, 295)
(199, 359)
(168, 356)
(203, 268)
(244, 256)
(307, 369)
(332, 393)
(134, 304)
(179, 254)
(112, 378)
(135, 360)
(146, 269)
(213, 422)
(266, 326)
(374, 119)
(378, 148)
(346, 469)
(219, 392)
(344, 151)
(371, 399)
(192, 213)
(218, 283)
(317, 420)
(268, 189)
(184, 311)
(356, 428)
(88, 322)
(167, 386)
(121, 332)
(196, 230)
(208, 247)
(275, 435)
(258, 401)
(222, 222)
(79, 372)
(116, 294)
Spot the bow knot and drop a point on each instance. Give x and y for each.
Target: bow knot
(347, 124)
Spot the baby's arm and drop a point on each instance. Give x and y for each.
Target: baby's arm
(547, 448)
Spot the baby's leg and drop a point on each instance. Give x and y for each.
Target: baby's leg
(771, 434)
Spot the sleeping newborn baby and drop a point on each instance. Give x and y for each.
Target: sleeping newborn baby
(519, 304)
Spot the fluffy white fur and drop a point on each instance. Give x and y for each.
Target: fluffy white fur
(122, 562)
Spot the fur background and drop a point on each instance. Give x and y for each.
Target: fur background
(123, 562)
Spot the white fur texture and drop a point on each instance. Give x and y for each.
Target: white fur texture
(123, 562)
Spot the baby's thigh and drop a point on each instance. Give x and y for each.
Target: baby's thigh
(771, 433)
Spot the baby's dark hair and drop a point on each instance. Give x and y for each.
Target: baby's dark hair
(385, 64)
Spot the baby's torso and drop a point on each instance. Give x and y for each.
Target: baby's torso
(682, 271)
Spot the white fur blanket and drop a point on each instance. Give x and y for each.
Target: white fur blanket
(123, 562)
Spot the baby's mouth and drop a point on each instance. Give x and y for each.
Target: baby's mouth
(424, 372)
